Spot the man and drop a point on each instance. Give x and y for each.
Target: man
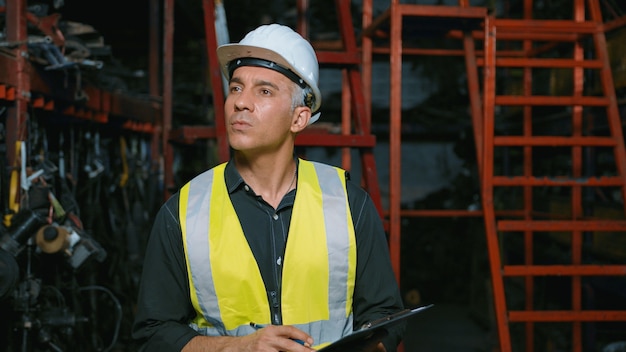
(266, 238)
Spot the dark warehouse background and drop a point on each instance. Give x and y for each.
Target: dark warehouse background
(444, 261)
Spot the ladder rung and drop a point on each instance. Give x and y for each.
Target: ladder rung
(338, 58)
(566, 315)
(519, 36)
(189, 134)
(604, 181)
(430, 17)
(564, 270)
(543, 63)
(335, 140)
(562, 225)
(543, 100)
(553, 141)
(461, 13)
(546, 26)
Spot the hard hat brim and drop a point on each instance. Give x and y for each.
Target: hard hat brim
(229, 52)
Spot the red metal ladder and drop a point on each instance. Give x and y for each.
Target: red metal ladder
(522, 206)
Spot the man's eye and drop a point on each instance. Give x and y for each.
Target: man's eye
(235, 89)
(266, 92)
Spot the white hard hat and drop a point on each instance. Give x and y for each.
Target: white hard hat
(279, 48)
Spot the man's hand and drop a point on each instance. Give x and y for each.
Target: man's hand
(274, 338)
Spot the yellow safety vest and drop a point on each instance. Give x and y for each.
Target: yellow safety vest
(319, 266)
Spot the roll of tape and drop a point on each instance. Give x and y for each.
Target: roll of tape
(52, 239)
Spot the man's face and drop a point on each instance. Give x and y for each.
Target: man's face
(258, 109)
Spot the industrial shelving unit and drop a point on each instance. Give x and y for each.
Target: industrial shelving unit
(25, 88)
(60, 177)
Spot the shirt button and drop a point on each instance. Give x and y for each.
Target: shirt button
(246, 188)
(275, 216)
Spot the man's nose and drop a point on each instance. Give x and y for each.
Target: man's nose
(243, 101)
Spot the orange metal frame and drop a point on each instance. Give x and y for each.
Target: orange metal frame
(446, 19)
(483, 110)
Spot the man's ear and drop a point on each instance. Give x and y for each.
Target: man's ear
(301, 117)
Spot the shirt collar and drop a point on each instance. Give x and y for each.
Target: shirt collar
(234, 181)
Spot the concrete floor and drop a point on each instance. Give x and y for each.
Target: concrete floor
(447, 328)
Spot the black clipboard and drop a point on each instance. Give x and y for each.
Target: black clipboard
(368, 330)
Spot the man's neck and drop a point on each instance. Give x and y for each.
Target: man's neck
(271, 178)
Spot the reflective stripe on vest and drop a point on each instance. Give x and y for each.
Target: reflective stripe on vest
(319, 266)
